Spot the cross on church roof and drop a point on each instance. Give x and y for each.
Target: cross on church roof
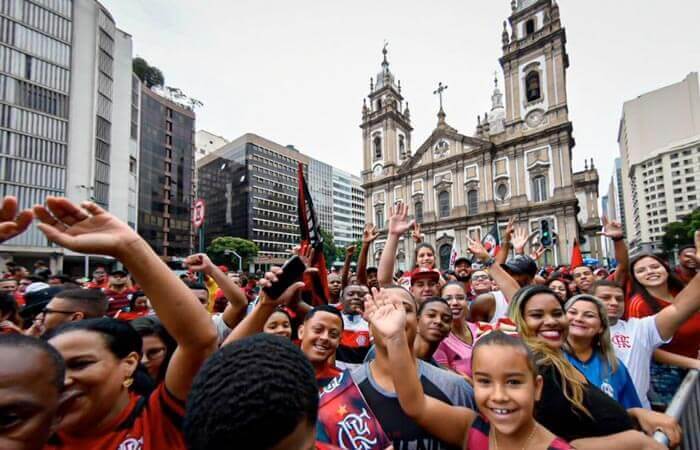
(439, 92)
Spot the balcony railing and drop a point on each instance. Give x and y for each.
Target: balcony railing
(685, 408)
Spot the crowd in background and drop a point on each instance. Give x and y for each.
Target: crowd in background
(499, 352)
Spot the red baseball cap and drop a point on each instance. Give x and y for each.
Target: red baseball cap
(423, 273)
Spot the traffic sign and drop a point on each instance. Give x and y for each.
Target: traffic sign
(198, 213)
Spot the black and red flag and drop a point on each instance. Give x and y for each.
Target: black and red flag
(316, 286)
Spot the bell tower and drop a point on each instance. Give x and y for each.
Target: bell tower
(386, 125)
(534, 64)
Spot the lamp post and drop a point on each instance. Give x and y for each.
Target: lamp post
(240, 260)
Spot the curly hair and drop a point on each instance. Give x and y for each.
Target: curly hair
(255, 391)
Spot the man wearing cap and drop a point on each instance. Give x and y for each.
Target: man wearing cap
(463, 271)
(117, 291)
(523, 269)
(425, 283)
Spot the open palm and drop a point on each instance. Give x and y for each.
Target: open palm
(612, 229)
(398, 222)
(386, 313)
(89, 229)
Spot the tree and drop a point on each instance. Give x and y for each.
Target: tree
(150, 75)
(219, 246)
(330, 251)
(681, 233)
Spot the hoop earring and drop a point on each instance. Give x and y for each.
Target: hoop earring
(128, 382)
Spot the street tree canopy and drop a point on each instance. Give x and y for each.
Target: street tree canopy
(681, 233)
(150, 75)
(219, 247)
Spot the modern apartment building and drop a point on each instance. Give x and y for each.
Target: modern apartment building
(321, 176)
(64, 67)
(250, 189)
(166, 175)
(348, 208)
(659, 141)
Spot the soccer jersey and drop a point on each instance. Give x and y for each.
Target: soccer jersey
(478, 437)
(147, 423)
(618, 384)
(354, 342)
(117, 300)
(401, 429)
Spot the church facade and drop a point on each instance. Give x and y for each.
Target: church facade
(517, 163)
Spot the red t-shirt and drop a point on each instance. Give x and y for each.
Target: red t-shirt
(95, 285)
(117, 300)
(686, 341)
(151, 423)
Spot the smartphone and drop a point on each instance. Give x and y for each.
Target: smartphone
(292, 271)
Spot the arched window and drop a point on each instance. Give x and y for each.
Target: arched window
(532, 86)
(377, 142)
(402, 147)
(539, 188)
(419, 212)
(444, 203)
(529, 27)
(445, 254)
(379, 218)
(502, 191)
(472, 202)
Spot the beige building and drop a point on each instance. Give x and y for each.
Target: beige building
(586, 187)
(206, 142)
(659, 141)
(517, 162)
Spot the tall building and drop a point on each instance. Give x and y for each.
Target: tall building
(64, 68)
(516, 164)
(322, 192)
(206, 142)
(348, 208)
(659, 141)
(586, 188)
(166, 175)
(250, 189)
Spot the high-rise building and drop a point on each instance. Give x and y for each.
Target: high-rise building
(348, 208)
(322, 192)
(659, 141)
(206, 142)
(64, 68)
(166, 175)
(517, 163)
(250, 189)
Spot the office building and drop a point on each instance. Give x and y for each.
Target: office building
(659, 140)
(166, 175)
(322, 191)
(348, 208)
(206, 142)
(64, 69)
(250, 188)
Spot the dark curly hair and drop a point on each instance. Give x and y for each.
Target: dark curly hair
(250, 394)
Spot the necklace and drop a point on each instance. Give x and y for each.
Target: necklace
(527, 441)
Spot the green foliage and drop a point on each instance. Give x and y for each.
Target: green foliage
(330, 251)
(150, 75)
(681, 233)
(217, 251)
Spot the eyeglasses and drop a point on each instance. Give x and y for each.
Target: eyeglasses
(46, 311)
(459, 298)
(480, 278)
(154, 353)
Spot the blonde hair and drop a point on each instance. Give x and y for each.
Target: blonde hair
(572, 387)
(603, 340)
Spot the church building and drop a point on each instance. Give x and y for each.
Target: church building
(517, 163)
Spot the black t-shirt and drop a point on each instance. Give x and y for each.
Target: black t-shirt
(556, 414)
(401, 429)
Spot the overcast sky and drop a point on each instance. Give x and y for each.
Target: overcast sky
(296, 71)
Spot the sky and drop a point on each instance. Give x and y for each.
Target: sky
(296, 71)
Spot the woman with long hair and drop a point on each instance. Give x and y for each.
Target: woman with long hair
(589, 348)
(102, 356)
(654, 286)
(455, 352)
(560, 286)
(157, 346)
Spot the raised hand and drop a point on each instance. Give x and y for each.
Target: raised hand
(510, 228)
(85, 229)
(288, 296)
(199, 262)
(350, 250)
(398, 220)
(519, 240)
(696, 257)
(385, 312)
(537, 253)
(370, 234)
(478, 250)
(416, 233)
(11, 223)
(612, 229)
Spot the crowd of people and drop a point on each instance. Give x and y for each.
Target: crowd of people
(499, 353)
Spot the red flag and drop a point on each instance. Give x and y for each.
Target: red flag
(310, 229)
(491, 242)
(576, 256)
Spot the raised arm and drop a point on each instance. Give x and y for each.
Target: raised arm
(368, 236)
(502, 278)
(345, 276)
(13, 223)
(90, 229)
(686, 303)
(398, 225)
(614, 231)
(255, 321)
(237, 300)
(387, 316)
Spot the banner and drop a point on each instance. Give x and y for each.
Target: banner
(491, 242)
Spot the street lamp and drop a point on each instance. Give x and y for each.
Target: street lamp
(240, 260)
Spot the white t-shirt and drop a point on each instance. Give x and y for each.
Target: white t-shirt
(634, 342)
(501, 309)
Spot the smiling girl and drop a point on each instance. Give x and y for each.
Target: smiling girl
(505, 393)
(455, 352)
